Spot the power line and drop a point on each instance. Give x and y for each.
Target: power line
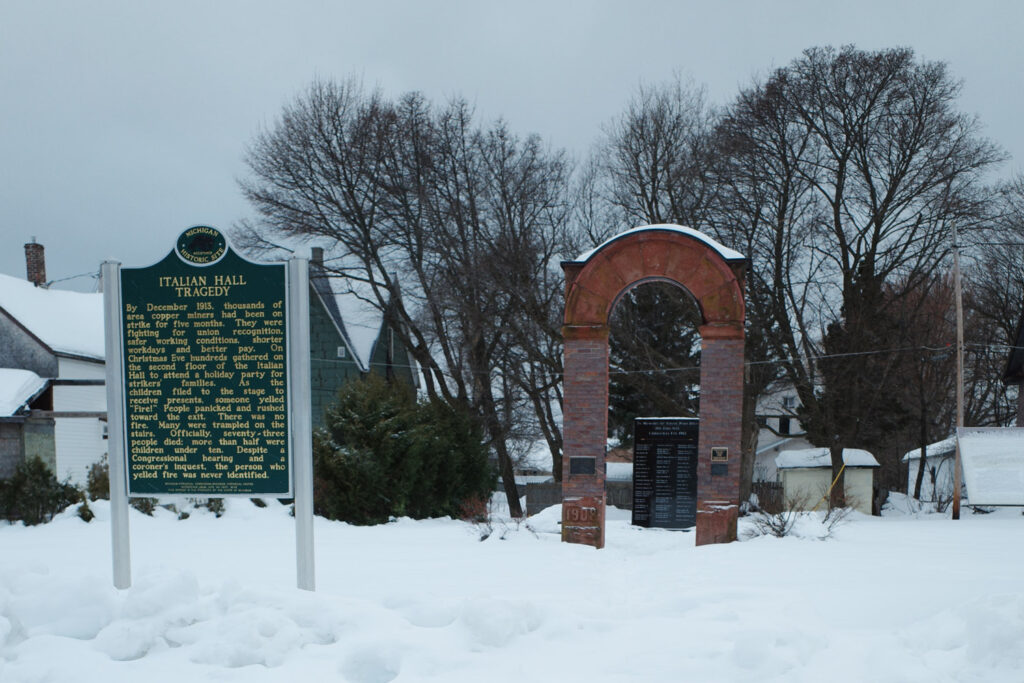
(93, 274)
(692, 368)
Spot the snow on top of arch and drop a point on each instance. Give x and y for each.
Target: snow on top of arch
(723, 251)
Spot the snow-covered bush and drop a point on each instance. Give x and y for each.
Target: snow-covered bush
(794, 520)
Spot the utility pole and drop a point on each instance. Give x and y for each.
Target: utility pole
(959, 371)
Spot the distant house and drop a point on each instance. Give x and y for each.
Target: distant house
(349, 338)
(58, 336)
(1014, 372)
(937, 483)
(807, 474)
(22, 433)
(779, 430)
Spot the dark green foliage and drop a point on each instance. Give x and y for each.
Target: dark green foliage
(655, 357)
(33, 494)
(384, 454)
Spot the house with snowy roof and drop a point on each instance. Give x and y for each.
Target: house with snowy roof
(779, 429)
(52, 374)
(807, 475)
(992, 465)
(349, 337)
(1013, 374)
(21, 431)
(938, 461)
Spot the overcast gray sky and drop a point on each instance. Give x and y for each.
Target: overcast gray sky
(123, 123)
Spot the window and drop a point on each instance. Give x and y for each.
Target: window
(783, 425)
(341, 352)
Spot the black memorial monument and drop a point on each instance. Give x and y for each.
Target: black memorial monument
(665, 472)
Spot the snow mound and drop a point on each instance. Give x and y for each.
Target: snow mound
(423, 600)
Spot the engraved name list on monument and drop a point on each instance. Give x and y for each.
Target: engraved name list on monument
(665, 472)
(206, 409)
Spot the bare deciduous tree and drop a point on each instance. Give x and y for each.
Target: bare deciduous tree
(654, 158)
(449, 228)
(864, 157)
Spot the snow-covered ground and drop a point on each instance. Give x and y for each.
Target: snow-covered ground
(902, 598)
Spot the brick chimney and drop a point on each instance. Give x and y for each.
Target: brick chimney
(317, 256)
(35, 263)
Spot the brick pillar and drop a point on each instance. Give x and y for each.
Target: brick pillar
(585, 434)
(35, 263)
(721, 425)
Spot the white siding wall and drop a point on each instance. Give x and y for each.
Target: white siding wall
(768, 447)
(943, 467)
(807, 485)
(79, 440)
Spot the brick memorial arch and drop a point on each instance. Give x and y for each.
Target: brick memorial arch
(713, 274)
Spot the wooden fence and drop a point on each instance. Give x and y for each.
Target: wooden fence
(769, 496)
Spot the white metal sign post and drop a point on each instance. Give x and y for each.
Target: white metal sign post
(116, 457)
(301, 421)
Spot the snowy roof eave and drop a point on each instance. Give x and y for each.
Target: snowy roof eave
(723, 251)
(774, 444)
(18, 388)
(820, 457)
(937, 449)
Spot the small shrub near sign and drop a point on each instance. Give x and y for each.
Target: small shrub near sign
(33, 495)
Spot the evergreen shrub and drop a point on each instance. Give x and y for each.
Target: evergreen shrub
(33, 494)
(384, 454)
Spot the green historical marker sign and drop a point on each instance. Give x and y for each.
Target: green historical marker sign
(204, 342)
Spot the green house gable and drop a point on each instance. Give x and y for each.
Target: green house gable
(348, 339)
(332, 362)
